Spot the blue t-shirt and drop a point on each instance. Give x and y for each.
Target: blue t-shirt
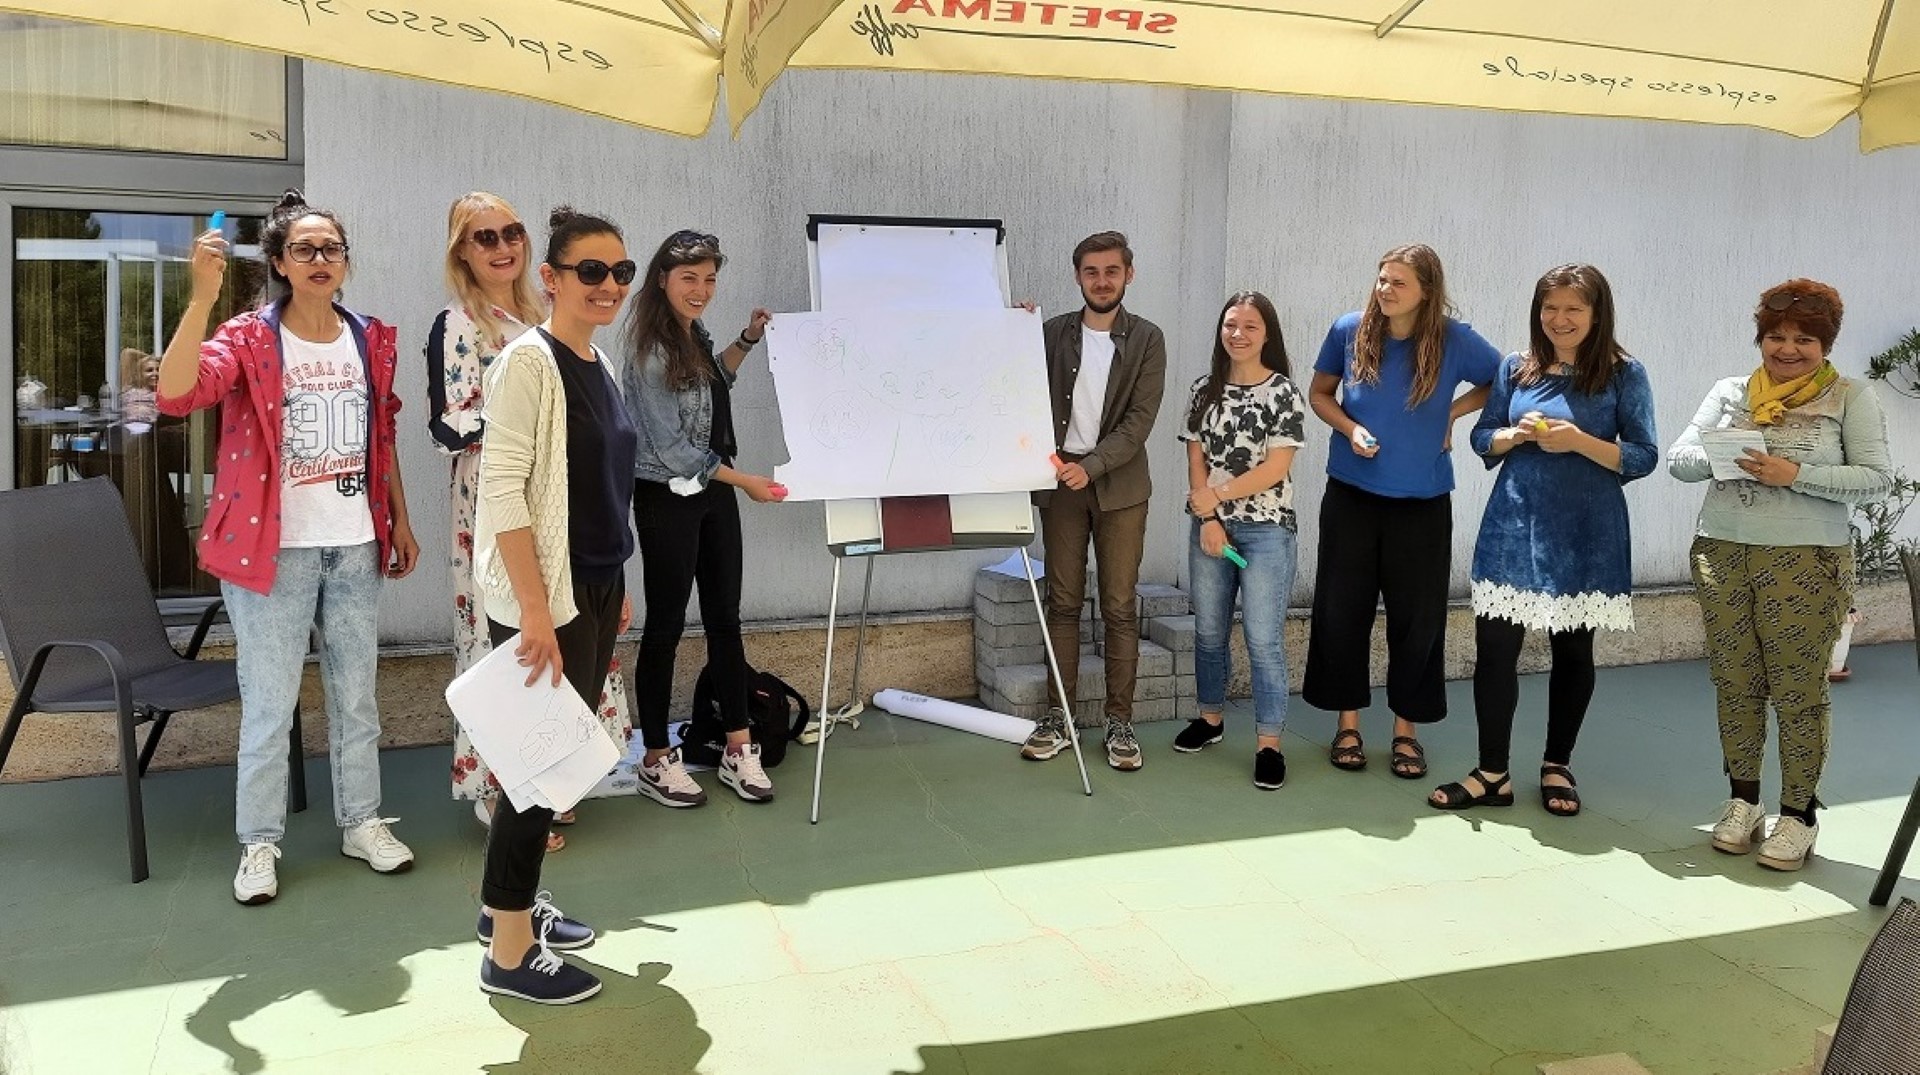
(1412, 461)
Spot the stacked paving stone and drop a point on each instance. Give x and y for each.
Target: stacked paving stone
(1009, 654)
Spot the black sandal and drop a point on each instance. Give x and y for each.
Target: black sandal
(1409, 766)
(1348, 755)
(1553, 795)
(1456, 796)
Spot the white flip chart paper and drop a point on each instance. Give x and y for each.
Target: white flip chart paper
(543, 743)
(911, 402)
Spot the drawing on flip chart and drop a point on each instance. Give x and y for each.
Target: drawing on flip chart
(898, 403)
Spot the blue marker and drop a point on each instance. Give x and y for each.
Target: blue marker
(218, 221)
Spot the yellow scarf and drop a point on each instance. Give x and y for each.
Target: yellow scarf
(1770, 402)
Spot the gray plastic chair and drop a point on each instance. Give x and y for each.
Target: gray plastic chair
(1879, 1031)
(81, 633)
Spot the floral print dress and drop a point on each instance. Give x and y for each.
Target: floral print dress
(458, 353)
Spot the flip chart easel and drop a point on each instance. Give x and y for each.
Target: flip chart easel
(899, 262)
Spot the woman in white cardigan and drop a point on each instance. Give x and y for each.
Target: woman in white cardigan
(550, 547)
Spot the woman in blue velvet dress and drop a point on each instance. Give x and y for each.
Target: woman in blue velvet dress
(1571, 419)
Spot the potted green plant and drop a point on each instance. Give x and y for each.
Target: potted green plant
(1876, 552)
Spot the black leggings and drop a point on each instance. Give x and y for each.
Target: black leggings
(517, 839)
(683, 540)
(1496, 689)
(1373, 549)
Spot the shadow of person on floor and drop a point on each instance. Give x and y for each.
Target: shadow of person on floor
(365, 985)
(635, 1025)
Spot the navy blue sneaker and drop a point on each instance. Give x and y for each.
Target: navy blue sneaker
(562, 933)
(542, 977)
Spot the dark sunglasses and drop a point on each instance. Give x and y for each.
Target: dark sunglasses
(515, 234)
(592, 272)
(1785, 301)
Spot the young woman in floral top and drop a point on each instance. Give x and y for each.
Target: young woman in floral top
(494, 300)
(1245, 420)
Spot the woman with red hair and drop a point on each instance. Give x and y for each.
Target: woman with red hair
(1772, 555)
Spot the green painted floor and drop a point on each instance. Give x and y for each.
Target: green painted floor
(960, 910)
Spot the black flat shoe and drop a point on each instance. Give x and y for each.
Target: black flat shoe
(1457, 797)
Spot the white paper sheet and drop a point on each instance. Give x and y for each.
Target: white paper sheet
(911, 402)
(1726, 447)
(866, 267)
(543, 743)
(966, 718)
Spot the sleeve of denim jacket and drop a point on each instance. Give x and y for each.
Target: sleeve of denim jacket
(1687, 459)
(655, 410)
(1867, 474)
(1493, 416)
(1633, 410)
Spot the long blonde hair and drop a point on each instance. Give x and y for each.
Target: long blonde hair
(527, 305)
(1429, 326)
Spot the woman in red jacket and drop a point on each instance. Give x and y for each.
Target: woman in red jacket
(307, 517)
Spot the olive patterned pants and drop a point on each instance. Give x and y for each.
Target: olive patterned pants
(1773, 614)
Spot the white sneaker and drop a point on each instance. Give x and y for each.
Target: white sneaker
(667, 783)
(372, 843)
(257, 882)
(741, 771)
(1790, 844)
(1740, 824)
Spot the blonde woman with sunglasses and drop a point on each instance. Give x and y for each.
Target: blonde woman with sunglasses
(490, 276)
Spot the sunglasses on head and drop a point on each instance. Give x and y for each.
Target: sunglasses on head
(694, 238)
(515, 234)
(1786, 301)
(592, 272)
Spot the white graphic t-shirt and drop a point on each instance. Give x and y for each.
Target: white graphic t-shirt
(323, 444)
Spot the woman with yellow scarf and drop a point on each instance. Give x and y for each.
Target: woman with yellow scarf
(1772, 554)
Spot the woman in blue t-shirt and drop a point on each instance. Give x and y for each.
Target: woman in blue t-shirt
(1386, 521)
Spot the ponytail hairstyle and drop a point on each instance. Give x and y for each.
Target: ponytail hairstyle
(1273, 355)
(1429, 326)
(288, 211)
(651, 325)
(1599, 354)
(526, 304)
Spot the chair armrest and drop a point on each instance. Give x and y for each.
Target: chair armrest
(116, 667)
(200, 629)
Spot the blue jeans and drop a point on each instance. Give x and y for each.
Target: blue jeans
(1265, 585)
(337, 589)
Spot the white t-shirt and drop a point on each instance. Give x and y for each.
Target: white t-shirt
(324, 429)
(1089, 391)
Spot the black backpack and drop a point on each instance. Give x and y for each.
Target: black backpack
(770, 719)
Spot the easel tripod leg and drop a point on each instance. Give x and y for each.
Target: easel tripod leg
(826, 685)
(1053, 666)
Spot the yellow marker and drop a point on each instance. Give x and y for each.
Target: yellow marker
(1539, 425)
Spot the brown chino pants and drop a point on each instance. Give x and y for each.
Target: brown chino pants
(1119, 537)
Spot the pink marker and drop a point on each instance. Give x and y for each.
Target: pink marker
(1054, 458)
(778, 490)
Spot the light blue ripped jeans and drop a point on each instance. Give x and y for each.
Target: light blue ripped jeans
(338, 590)
(1265, 585)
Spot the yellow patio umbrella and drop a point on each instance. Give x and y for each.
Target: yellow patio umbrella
(1798, 66)
(655, 63)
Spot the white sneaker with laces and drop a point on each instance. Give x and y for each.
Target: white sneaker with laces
(373, 843)
(1790, 844)
(1741, 823)
(741, 771)
(258, 880)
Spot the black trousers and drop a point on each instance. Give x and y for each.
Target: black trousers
(684, 540)
(1496, 689)
(517, 839)
(1372, 549)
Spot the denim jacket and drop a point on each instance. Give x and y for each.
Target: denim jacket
(674, 424)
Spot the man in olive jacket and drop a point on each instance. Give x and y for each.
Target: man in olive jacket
(1106, 369)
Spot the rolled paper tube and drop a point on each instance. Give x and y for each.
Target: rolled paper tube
(947, 714)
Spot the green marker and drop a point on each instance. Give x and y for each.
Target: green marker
(1233, 554)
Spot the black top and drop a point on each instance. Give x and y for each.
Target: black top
(601, 443)
(720, 440)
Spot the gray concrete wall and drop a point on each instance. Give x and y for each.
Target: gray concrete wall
(1295, 197)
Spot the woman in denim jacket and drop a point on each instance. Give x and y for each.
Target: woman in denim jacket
(680, 395)
(1569, 422)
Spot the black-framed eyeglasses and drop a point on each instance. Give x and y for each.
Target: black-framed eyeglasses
(1787, 300)
(592, 272)
(689, 237)
(307, 253)
(513, 234)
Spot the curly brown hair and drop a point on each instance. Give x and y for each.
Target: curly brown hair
(1811, 306)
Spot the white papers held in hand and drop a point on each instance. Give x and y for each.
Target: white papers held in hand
(542, 742)
(1726, 447)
